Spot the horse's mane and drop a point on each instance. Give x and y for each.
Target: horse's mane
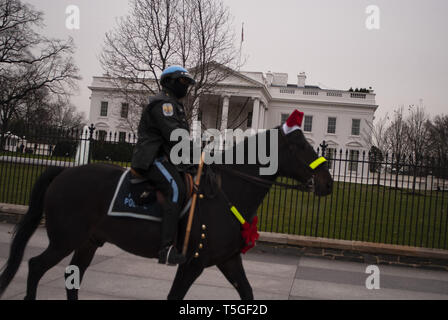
(243, 144)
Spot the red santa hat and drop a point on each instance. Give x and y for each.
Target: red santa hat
(294, 122)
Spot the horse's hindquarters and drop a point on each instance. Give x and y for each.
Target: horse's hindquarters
(77, 200)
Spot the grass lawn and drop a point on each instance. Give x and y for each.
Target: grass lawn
(16, 181)
(65, 159)
(360, 212)
(35, 156)
(352, 212)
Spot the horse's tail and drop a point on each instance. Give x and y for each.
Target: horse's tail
(27, 226)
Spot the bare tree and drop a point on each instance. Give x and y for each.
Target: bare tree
(396, 142)
(438, 143)
(33, 109)
(193, 33)
(417, 138)
(42, 110)
(375, 134)
(375, 138)
(417, 132)
(396, 137)
(65, 115)
(16, 32)
(29, 62)
(213, 53)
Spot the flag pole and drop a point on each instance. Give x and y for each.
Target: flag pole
(241, 45)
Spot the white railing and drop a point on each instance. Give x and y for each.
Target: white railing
(358, 95)
(334, 94)
(310, 93)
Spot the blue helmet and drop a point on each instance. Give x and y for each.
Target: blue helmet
(175, 72)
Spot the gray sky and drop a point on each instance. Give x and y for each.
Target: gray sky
(404, 61)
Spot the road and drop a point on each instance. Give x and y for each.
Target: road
(115, 274)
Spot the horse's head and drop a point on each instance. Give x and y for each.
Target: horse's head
(298, 160)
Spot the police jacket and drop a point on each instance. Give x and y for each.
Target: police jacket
(159, 118)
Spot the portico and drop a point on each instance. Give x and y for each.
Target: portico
(231, 111)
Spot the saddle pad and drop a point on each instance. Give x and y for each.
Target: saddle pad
(123, 205)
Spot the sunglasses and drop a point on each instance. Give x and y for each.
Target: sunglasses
(184, 81)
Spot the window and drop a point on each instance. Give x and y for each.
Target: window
(200, 115)
(331, 128)
(356, 127)
(308, 124)
(353, 160)
(122, 136)
(104, 107)
(102, 135)
(284, 117)
(330, 154)
(249, 120)
(124, 110)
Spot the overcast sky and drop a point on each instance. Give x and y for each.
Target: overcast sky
(405, 61)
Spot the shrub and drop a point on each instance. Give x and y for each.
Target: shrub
(121, 151)
(65, 148)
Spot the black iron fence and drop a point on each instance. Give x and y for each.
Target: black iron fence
(376, 198)
(394, 201)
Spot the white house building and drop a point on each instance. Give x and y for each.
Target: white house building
(259, 100)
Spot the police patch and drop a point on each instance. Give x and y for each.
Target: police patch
(168, 110)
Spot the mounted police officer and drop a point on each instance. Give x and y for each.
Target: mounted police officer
(160, 117)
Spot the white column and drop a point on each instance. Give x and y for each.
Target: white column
(195, 128)
(195, 112)
(255, 113)
(264, 115)
(265, 108)
(225, 112)
(261, 120)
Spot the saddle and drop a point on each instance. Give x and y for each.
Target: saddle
(135, 197)
(143, 192)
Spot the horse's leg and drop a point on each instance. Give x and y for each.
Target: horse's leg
(37, 267)
(233, 270)
(186, 274)
(81, 258)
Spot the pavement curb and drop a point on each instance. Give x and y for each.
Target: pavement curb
(367, 252)
(367, 247)
(357, 251)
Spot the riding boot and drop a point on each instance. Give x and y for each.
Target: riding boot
(168, 253)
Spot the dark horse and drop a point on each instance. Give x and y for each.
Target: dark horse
(76, 200)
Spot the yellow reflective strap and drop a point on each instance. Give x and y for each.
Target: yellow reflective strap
(317, 162)
(237, 215)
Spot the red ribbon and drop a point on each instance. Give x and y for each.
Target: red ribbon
(249, 234)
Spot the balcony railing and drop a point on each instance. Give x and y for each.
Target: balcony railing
(324, 94)
(358, 95)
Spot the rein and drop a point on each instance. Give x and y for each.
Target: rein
(268, 183)
(259, 181)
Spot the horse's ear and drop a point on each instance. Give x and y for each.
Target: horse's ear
(294, 122)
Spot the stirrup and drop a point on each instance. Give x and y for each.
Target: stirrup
(170, 256)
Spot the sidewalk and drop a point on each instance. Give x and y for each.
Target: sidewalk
(115, 274)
